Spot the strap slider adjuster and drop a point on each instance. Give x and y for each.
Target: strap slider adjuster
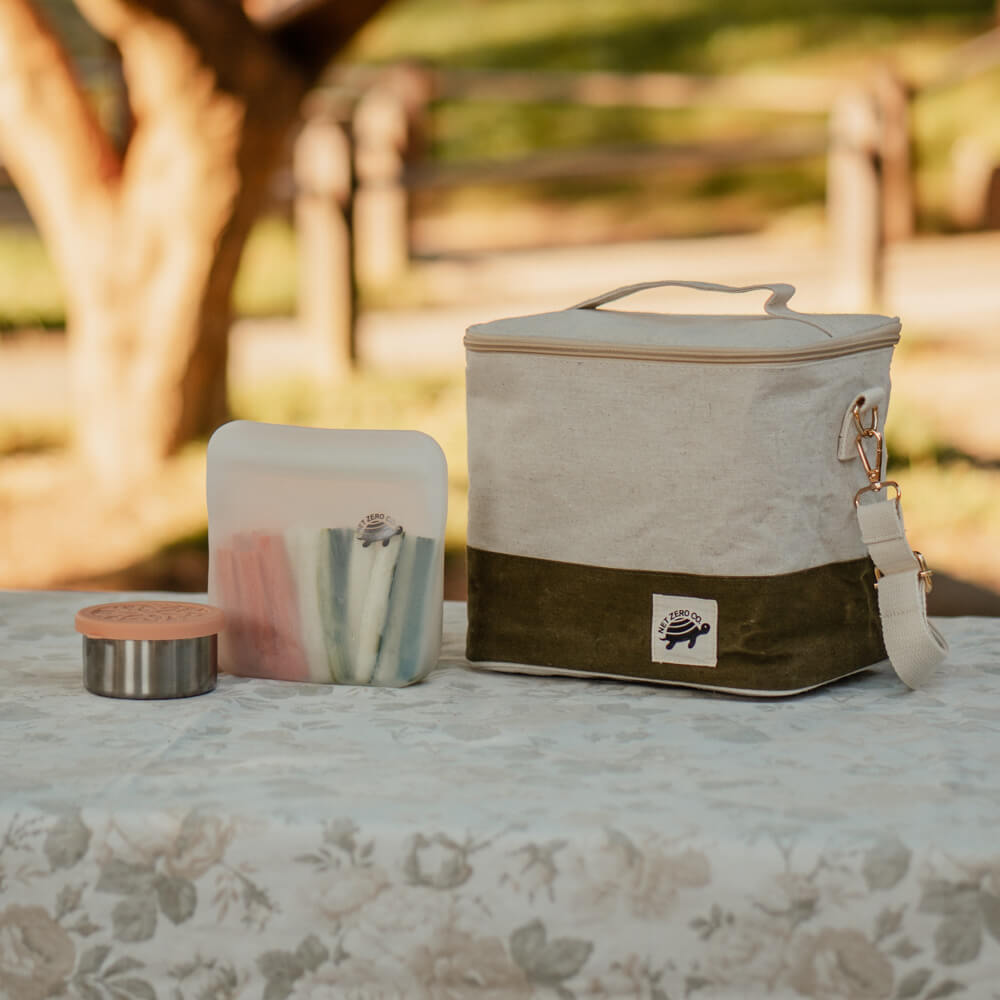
(925, 575)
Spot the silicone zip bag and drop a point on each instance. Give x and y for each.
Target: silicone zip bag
(326, 552)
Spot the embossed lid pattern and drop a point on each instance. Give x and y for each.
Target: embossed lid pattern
(149, 620)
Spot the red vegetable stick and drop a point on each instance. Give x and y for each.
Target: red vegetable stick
(253, 602)
(290, 662)
(232, 642)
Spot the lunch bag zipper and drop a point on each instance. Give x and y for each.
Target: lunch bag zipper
(874, 340)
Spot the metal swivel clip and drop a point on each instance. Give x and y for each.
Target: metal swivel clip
(873, 470)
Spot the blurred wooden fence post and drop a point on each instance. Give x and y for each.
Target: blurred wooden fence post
(894, 154)
(854, 204)
(387, 135)
(974, 184)
(324, 181)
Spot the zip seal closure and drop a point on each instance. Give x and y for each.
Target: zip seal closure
(873, 340)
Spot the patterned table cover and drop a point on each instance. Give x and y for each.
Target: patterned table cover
(487, 835)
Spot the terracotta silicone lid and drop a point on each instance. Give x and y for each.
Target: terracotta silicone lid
(149, 620)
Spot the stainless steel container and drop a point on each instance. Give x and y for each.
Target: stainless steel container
(149, 649)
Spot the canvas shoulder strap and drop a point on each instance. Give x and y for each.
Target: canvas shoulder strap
(914, 646)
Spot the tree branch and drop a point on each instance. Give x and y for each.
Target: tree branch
(67, 169)
(212, 102)
(311, 32)
(204, 85)
(241, 57)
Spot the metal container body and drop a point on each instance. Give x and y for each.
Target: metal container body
(150, 668)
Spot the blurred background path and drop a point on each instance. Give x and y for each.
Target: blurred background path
(934, 284)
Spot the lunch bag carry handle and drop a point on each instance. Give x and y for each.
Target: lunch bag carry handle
(776, 304)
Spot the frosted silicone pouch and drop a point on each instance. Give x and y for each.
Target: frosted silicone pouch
(326, 552)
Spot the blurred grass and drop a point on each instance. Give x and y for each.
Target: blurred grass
(683, 35)
(432, 404)
(914, 437)
(266, 282)
(957, 495)
(940, 119)
(480, 130)
(30, 291)
(20, 436)
(31, 294)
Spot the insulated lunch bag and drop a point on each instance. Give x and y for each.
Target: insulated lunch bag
(689, 499)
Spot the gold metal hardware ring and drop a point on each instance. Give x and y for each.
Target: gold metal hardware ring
(877, 488)
(925, 575)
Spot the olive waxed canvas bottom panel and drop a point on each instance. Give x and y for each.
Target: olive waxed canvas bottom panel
(772, 633)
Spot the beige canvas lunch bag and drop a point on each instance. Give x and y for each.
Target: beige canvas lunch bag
(696, 500)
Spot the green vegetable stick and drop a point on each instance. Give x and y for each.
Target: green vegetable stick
(359, 561)
(406, 638)
(331, 575)
(371, 619)
(304, 548)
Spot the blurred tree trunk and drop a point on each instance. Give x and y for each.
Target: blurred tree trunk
(148, 242)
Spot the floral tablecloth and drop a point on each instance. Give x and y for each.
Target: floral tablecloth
(486, 835)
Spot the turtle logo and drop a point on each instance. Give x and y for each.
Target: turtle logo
(682, 626)
(377, 527)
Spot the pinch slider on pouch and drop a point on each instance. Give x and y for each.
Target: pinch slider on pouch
(149, 649)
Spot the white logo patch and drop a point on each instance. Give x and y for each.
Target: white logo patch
(684, 630)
